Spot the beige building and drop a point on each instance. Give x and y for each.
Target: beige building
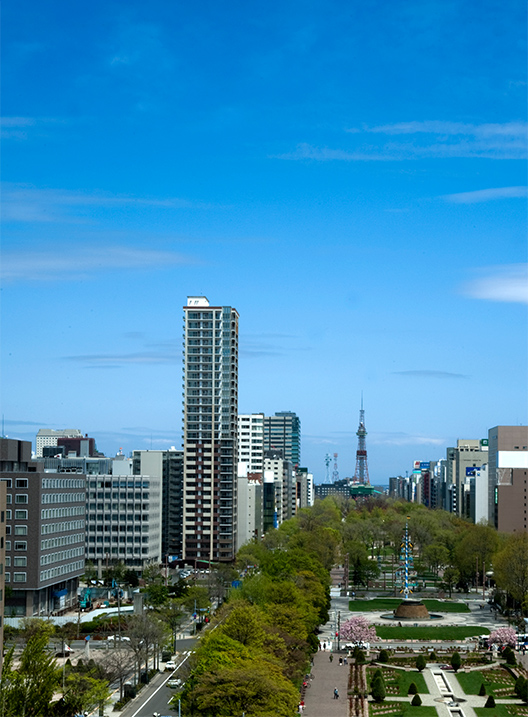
(508, 477)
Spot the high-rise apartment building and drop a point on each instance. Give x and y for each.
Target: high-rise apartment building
(282, 433)
(210, 410)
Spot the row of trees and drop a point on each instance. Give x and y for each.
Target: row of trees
(254, 658)
(451, 547)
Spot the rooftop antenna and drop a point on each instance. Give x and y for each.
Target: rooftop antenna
(327, 464)
(335, 474)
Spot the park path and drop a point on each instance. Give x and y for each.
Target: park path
(319, 697)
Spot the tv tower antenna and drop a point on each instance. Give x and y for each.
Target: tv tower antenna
(335, 474)
(327, 464)
(361, 475)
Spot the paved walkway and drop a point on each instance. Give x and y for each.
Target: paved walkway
(319, 698)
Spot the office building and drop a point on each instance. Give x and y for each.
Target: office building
(282, 435)
(251, 441)
(167, 468)
(250, 497)
(469, 454)
(45, 533)
(285, 486)
(49, 437)
(3, 510)
(123, 517)
(305, 494)
(210, 444)
(508, 478)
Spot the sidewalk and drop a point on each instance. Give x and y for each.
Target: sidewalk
(319, 698)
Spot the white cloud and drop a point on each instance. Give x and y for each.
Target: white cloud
(503, 283)
(24, 203)
(426, 373)
(404, 439)
(81, 261)
(486, 195)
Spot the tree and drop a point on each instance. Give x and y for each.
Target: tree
(84, 692)
(420, 663)
(357, 629)
(456, 661)
(503, 636)
(482, 691)
(521, 688)
(510, 566)
(436, 556)
(378, 689)
(416, 700)
(28, 690)
(490, 702)
(172, 615)
(117, 665)
(412, 689)
(383, 656)
(450, 578)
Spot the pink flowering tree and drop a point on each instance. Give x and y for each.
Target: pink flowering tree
(357, 629)
(503, 636)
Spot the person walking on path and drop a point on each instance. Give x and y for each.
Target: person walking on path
(336, 693)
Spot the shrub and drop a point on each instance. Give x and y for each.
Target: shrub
(420, 663)
(432, 656)
(482, 690)
(412, 689)
(378, 690)
(456, 661)
(510, 658)
(521, 688)
(490, 702)
(377, 673)
(416, 701)
(383, 656)
(360, 658)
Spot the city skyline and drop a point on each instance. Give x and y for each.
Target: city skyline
(352, 180)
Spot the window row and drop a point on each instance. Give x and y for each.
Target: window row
(48, 513)
(63, 483)
(61, 540)
(48, 528)
(61, 555)
(61, 570)
(63, 497)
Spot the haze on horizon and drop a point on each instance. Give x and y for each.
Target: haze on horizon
(352, 178)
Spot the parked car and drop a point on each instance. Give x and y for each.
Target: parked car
(113, 638)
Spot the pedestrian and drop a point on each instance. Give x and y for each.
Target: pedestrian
(336, 694)
(331, 657)
(324, 646)
(345, 661)
(319, 643)
(340, 662)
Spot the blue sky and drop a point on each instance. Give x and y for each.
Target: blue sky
(351, 177)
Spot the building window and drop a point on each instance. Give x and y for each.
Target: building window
(20, 561)
(21, 498)
(21, 483)
(19, 577)
(20, 529)
(21, 515)
(20, 544)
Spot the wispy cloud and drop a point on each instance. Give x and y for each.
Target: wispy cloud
(24, 203)
(73, 263)
(425, 373)
(404, 439)
(269, 344)
(121, 359)
(486, 195)
(502, 283)
(430, 140)
(17, 127)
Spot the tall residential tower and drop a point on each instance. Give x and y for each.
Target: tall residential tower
(210, 409)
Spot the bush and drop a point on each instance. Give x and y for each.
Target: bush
(360, 658)
(378, 690)
(510, 658)
(456, 661)
(377, 673)
(416, 701)
(482, 690)
(490, 702)
(420, 663)
(432, 656)
(412, 689)
(383, 656)
(521, 688)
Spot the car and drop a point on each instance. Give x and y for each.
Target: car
(362, 645)
(113, 638)
(170, 665)
(65, 653)
(174, 684)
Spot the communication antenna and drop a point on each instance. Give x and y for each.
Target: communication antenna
(361, 475)
(335, 474)
(328, 460)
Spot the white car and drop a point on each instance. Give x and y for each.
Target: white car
(170, 665)
(174, 684)
(113, 638)
(362, 645)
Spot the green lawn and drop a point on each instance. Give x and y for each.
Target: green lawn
(405, 708)
(494, 679)
(390, 604)
(403, 680)
(447, 632)
(497, 711)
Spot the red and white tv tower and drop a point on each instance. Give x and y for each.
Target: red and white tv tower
(361, 475)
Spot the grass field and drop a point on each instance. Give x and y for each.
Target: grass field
(498, 711)
(495, 679)
(405, 708)
(390, 604)
(447, 632)
(403, 679)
